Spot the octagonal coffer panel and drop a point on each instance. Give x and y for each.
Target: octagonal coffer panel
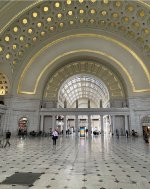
(130, 19)
(4, 84)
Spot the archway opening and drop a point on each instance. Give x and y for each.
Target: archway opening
(83, 91)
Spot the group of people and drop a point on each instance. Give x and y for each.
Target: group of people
(146, 136)
(134, 133)
(8, 135)
(126, 132)
(55, 136)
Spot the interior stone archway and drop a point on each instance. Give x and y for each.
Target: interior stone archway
(113, 82)
(39, 20)
(38, 25)
(38, 39)
(83, 89)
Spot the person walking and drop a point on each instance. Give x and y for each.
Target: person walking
(146, 136)
(8, 135)
(54, 136)
(117, 133)
(127, 133)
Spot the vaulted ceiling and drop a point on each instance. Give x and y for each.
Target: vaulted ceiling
(27, 25)
(130, 19)
(92, 78)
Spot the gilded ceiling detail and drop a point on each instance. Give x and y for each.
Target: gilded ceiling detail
(83, 86)
(112, 82)
(129, 19)
(4, 87)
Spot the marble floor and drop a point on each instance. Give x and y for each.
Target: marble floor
(101, 162)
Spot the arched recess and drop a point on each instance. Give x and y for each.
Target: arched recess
(113, 82)
(38, 68)
(83, 90)
(38, 22)
(41, 19)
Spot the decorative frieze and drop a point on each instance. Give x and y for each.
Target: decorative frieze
(85, 111)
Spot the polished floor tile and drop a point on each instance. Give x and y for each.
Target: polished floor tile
(101, 162)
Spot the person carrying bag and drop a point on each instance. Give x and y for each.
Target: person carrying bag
(54, 136)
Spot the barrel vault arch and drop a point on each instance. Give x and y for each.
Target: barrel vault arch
(34, 25)
(37, 39)
(111, 80)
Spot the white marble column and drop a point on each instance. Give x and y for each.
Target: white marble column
(53, 122)
(114, 126)
(42, 123)
(126, 123)
(76, 125)
(89, 125)
(129, 123)
(2, 124)
(102, 125)
(8, 120)
(64, 126)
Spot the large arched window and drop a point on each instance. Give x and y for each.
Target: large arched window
(84, 88)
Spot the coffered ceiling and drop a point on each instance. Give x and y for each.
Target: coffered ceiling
(128, 19)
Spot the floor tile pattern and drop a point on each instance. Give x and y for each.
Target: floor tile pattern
(101, 162)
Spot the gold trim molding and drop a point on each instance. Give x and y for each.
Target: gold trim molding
(73, 52)
(141, 63)
(19, 14)
(39, 1)
(144, 3)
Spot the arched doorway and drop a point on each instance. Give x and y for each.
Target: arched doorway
(83, 91)
(105, 85)
(146, 124)
(86, 84)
